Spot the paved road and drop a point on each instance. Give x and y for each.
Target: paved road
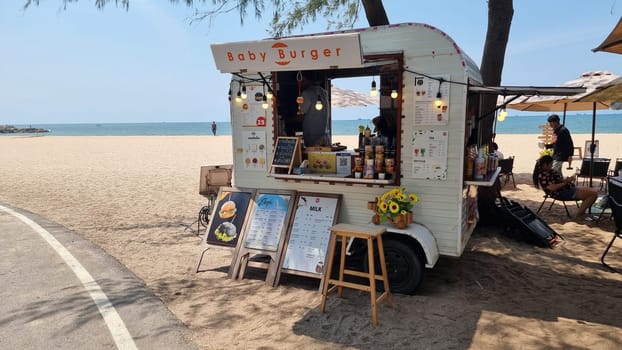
(93, 302)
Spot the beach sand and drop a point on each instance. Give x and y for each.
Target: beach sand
(133, 196)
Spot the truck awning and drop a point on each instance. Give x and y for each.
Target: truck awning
(527, 90)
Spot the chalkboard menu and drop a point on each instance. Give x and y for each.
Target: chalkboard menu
(309, 234)
(287, 153)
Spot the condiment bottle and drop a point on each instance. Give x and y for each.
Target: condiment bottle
(480, 166)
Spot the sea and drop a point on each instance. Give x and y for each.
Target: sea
(606, 123)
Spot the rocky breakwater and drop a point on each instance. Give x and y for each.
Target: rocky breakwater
(10, 129)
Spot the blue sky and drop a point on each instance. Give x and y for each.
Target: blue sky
(149, 64)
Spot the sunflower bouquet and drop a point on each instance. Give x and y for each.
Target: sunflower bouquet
(395, 202)
(546, 152)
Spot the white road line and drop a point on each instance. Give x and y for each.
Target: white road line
(119, 332)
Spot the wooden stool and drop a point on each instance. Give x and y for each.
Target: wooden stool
(369, 233)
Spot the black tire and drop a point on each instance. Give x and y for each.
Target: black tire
(404, 267)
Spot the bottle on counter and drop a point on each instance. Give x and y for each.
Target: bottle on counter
(480, 166)
(470, 162)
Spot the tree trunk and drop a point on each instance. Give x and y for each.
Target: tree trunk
(375, 12)
(500, 14)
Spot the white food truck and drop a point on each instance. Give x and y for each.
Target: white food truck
(429, 94)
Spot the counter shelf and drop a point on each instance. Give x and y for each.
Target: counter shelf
(488, 181)
(332, 178)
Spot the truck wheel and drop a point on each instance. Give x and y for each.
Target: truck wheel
(404, 268)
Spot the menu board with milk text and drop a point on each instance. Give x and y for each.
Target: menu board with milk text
(309, 235)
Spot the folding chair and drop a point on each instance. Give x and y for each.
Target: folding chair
(600, 168)
(548, 195)
(615, 203)
(507, 165)
(616, 168)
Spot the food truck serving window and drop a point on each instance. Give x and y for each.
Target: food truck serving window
(309, 104)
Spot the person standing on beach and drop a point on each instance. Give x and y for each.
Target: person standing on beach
(214, 128)
(562, 145)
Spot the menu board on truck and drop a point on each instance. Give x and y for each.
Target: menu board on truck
(254, 150)
(429, 149)
(427, 110)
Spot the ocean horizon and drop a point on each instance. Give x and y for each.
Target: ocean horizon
(610, 123)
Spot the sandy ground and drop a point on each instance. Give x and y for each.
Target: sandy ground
(133, 196)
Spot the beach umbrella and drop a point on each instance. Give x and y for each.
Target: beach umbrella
(592, 81)
(340, 97)
(609, 94)
(613, 42)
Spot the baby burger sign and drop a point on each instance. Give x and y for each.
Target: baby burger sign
(298, 53)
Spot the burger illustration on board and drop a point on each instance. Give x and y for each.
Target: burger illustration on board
(226, 232)
(227, 210)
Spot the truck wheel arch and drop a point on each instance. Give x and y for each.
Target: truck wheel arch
(406, 258)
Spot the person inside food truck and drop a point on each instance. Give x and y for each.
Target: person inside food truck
(314, 113)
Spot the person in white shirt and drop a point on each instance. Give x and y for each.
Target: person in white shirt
(494, 150)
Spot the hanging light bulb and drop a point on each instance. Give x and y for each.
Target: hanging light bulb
(373, 91)
(238, 97)
(264, 104)
(264, 99)
(502, 114)
(439, 98)
(269, 94)
(318, 105)
(394, 91)
(244, 95)
(438, 102)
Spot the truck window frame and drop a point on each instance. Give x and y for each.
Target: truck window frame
(387, 69)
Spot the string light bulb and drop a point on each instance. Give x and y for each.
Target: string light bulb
(394, 93)
(269, 94)
(238, 97)
(264, 99)
(439, 98)
(318, 105)
(502, 114)
(244, 95)
(374, 90)
(438, 102)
